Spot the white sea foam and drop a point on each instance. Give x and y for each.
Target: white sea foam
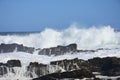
(90, 38)
(26, 58)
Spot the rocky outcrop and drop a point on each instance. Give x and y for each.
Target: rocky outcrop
(13, 63)
(74, 68)
(5, 67)
(83, 51)
(109, 66)
(59, 50)
(80, 74)
(4, 48)
(68, 65)
(38, 69)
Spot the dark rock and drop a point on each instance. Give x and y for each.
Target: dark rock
(71, 74)
(45, 78)
(4, 48)
(109, 66)
(59, 50)
(2, 64)
(118, 78)
(97, 79)
(68, 65)
(13, 63)
(86, 51)
(3, 69)
(38, 69)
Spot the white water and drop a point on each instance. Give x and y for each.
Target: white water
(20, 74)
(26, 58)
(90, 38)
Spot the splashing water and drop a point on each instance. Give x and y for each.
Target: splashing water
(90, 38)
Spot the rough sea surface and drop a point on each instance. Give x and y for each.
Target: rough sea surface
(87, 39)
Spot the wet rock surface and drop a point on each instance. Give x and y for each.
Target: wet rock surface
(59, 50)
(71, 74)
(13, 63)
(77, 68)
(68, 65)
(109, 66)
(38, 69)
(74, 68)
(70, 69)
(5, 48)
(4, 67)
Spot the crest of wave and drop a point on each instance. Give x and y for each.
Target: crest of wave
(86, 38)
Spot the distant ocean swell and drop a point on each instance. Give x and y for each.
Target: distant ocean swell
(90, 38)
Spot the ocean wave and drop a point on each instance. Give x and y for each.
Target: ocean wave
(85, 38)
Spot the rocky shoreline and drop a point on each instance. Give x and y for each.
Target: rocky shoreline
(62, 69)
(74, 68)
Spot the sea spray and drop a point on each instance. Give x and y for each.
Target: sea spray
(85, 38)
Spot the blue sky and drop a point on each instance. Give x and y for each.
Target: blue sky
(35, 15)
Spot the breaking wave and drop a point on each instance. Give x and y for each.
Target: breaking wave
(85, 38)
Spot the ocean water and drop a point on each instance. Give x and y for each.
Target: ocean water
(87, 39)
(26, 58)
(90, 38)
